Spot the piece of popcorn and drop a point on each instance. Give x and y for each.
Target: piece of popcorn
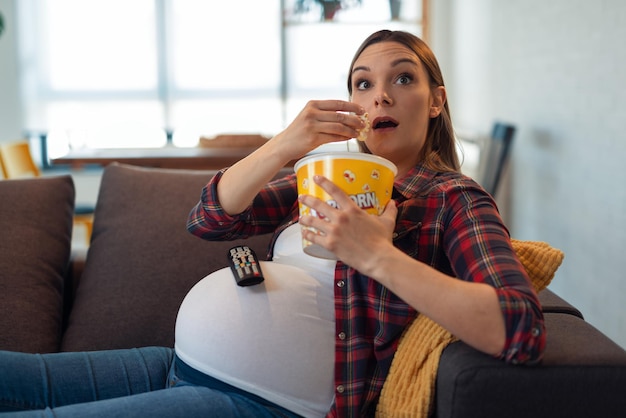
(349, 176)
(363, 132)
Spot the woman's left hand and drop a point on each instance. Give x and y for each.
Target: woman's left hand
(364, 242)
(356, 237)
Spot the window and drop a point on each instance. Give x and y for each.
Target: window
(120, 73)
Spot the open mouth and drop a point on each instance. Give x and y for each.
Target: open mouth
(384, 122)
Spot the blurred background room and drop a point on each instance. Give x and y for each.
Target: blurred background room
(161, 74)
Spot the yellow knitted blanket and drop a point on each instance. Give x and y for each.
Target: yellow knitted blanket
(410, 385)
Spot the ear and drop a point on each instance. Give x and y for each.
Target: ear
(438, 100)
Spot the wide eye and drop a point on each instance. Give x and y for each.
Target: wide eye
(404, 79)
(362, 84)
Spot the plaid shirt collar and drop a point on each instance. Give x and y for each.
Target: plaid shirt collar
(415, 181)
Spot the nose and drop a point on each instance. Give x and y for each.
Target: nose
(383, 99)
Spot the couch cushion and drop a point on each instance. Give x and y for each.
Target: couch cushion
(36, 224)
(540, 260)
(142, 260)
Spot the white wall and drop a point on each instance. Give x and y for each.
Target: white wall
(10, 108)
(557, 69)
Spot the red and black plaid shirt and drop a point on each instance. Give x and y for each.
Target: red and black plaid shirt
(444, 220)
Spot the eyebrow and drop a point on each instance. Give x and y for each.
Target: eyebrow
(393, 64)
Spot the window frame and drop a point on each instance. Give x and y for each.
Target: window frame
(166, 93)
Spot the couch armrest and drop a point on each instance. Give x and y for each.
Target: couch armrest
(553, 303)
(583, 374)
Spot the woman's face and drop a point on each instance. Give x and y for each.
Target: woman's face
(390, 82)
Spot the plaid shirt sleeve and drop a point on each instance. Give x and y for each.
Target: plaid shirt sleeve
(445, 220)
(479, 249)
(275, 202)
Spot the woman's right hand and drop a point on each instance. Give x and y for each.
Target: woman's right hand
(318, 123)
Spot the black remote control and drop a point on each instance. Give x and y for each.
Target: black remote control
(245, 266)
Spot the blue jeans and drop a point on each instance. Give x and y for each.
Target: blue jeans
(141, 382)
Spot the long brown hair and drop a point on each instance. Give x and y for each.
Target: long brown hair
(439, 152)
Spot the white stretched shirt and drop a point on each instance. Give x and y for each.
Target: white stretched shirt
(276, 339)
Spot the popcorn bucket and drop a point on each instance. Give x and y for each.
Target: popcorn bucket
(367, 179)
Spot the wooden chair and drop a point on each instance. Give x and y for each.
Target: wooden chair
(496, 156)
(2, 173)
(17, 162)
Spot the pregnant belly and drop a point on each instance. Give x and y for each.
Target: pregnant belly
(275, 339)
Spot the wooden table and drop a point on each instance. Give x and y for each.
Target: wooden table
(196, 158)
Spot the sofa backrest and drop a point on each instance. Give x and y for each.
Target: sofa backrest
(35, 236)
(142, 261)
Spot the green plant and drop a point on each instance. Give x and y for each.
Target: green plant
(329, 7)
(1, 24)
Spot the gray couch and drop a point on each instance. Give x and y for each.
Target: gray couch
(142, 262)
